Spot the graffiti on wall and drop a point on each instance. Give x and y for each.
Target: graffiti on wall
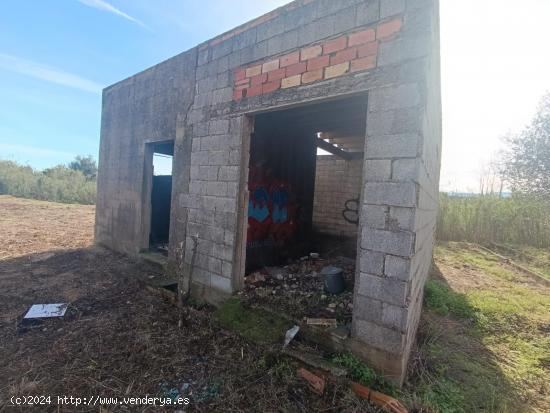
(272, 209)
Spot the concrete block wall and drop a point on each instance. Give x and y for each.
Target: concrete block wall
(205, 99)
(336, 181)
(139, 110)
(399, 209)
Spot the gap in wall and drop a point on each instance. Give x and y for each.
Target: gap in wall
(161, 196)
(305, 174)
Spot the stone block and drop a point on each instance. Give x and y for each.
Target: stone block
(380, 337)
(377, 169)
(371, 262)
(391, 193)
(388, 290)
(397, 267)
(391, 146)
(397, 243)
(391, 7)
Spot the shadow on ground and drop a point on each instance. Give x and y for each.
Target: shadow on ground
(452, 368)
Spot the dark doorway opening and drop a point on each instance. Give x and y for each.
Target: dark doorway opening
(291, 211)
(161, 196)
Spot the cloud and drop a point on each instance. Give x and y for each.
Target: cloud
(104, 6)
(50, 74)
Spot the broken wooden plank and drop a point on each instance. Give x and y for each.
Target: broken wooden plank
(326, 322)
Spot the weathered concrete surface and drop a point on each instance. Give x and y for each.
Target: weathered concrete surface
(305, 51)
(146, 108)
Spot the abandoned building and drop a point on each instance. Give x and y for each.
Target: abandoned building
(320, 118)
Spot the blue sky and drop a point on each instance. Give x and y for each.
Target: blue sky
(56, 55)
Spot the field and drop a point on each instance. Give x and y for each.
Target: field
(484, 341)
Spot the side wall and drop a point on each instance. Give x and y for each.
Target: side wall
(400, 207)
(143, 108)
(336, 181)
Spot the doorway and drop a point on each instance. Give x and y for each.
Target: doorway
(161, 196)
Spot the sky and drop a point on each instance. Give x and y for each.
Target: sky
(57, 55)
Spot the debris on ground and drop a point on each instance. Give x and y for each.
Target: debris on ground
(312, 359)
(290, 334)
(323, 322)
(316, 383)
(298, 289)
(46, 310)
(334, 282)
(387, 403)
(254, 278)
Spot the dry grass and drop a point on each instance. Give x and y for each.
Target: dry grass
(119, 338)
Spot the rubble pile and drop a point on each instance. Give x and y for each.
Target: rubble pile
(298, 289)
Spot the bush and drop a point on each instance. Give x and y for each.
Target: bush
(60, 183)
(490, 218)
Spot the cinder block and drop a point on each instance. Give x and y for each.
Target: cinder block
(391, 146)
(371, 262)
(405, 169)
(394, 97)
(377, 169)
(221, 283)
(216, 188)
(374, 216)
(391, 193)
(403, 218)
(391, 7)
(228, 173)
(218, 127)
(367, 12)
(380, 337)
(397, 243)
(397, 267)
(366, 308)
(404, 48)
(388, 290)
(394, 317)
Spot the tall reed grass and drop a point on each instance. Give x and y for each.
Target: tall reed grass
(490, 218)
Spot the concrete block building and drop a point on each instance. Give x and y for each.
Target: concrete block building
(242, 116)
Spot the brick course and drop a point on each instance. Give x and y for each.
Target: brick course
(355, 51)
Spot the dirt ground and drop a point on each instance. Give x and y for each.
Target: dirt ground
(118, 337)
(483, 342)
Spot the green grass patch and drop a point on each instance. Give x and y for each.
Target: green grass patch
(493, 355)
(363, 374)
(444, 301)
(256, 325)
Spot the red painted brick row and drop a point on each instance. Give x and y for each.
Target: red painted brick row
(348, 53)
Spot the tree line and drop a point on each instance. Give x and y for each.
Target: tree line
(72, 183)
